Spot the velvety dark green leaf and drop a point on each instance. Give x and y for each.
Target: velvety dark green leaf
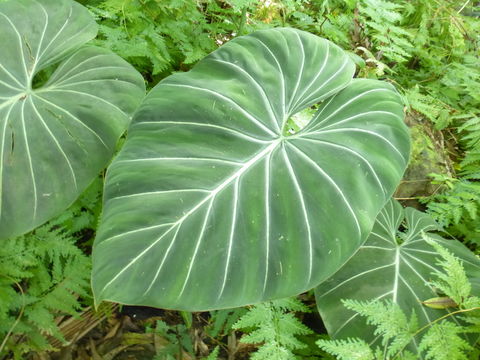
(212, 203)
(392, 265)
(55, 137)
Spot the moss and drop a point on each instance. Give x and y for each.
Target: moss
(427, 156)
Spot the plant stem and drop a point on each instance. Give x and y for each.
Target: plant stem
(243, 19)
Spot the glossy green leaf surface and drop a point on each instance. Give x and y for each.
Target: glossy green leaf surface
(213, 204)
(55, 135)
(392, 265)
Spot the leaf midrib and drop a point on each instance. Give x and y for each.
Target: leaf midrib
(269, 149)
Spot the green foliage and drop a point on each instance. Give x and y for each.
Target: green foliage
(457, 207)
(381, 20)
(183, 336)
(452, 281)
(444, 338)
(222, 321)
(429, 48)
(274, 325)
(62, 133)
(429, 106)
(348, 349)
(153, 35)
(159, 37)
(213, 355)
(178, 339)
(446, 91)
(470, 139)
(44, 275)
(395, 329)
(443, 342)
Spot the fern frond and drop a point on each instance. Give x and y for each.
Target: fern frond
(348, 349)
(455, 205)
(431, 107)
(442, 342)
(381, 19)
(53, 272)
(452, 280)
(275, 326)
(390, 321)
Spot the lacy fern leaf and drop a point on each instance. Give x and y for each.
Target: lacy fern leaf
(275, 326)
(43, 276)
(452, 281)
(382, 19)
(442, 342)
(457, 208)
(348, 349)
(391, 323)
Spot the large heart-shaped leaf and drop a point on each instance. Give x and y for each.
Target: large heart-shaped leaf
(392, 265)
(55, 137)
(213, 204)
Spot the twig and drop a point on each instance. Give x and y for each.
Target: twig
(463, 6)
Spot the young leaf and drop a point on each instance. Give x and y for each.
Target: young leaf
(442, 302)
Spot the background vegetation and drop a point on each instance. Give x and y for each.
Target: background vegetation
(429, 49)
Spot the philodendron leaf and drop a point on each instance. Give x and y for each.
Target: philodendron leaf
(392, 265)
(213, 204)
(55, 137)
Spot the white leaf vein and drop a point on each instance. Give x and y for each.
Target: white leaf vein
(88, 95)
(347, 103)
(267, 220)
(357, 154)
(19, 37)
(369, 132)
(299, 191)
(259, 87)
(189, 123)
(197, 246)
(282, 77)
(259, 123)
(57, 143)
(2, 154)
(30, 163)
(228, 162)
(230, 238)
(332, 182)
(74, 118)
(320, 72)
(334, 90)
(356, 276)
(211, 195)
(299, 76)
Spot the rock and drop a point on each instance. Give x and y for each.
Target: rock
(428, 155)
